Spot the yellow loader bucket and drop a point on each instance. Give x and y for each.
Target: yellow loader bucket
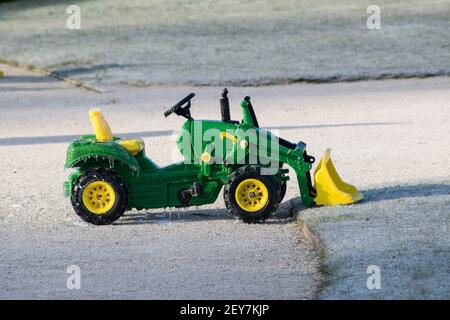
(331, 190)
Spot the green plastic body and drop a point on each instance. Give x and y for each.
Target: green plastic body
(151, 186)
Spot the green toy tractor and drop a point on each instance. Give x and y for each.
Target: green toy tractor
(112, 175)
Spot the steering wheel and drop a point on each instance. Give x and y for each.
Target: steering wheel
(182, 107)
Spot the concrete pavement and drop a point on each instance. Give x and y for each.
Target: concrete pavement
(198, 253)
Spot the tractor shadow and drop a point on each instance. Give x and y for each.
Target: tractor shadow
(66, 138)
(287, 211)
(387, 193)
(406, 191)
(282, 216)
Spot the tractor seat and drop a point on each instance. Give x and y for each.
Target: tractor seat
(103, 133)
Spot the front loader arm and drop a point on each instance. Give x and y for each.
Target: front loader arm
(329, 188)
(302, 164)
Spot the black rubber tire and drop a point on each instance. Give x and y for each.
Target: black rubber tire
(283, 188)
(251, 172)
(119, 187)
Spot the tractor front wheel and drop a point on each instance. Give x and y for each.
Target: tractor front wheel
(100, 196)
(283, 188)
(251, 196)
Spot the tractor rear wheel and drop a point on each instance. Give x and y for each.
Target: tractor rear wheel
(100, 196)
(251, 196)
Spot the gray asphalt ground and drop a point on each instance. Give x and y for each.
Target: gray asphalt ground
(200, 253)
(390, 138)
(208, 42)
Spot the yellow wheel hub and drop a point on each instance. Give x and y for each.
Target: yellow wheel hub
(99, 197)
(252, 195)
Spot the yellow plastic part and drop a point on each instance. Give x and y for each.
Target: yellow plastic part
(251, 195)
(99, 197)
(1, 74)
(205, 157)
(133, 146)
(101, 127)
(227, 135)
(331, 190)
(103, 133)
